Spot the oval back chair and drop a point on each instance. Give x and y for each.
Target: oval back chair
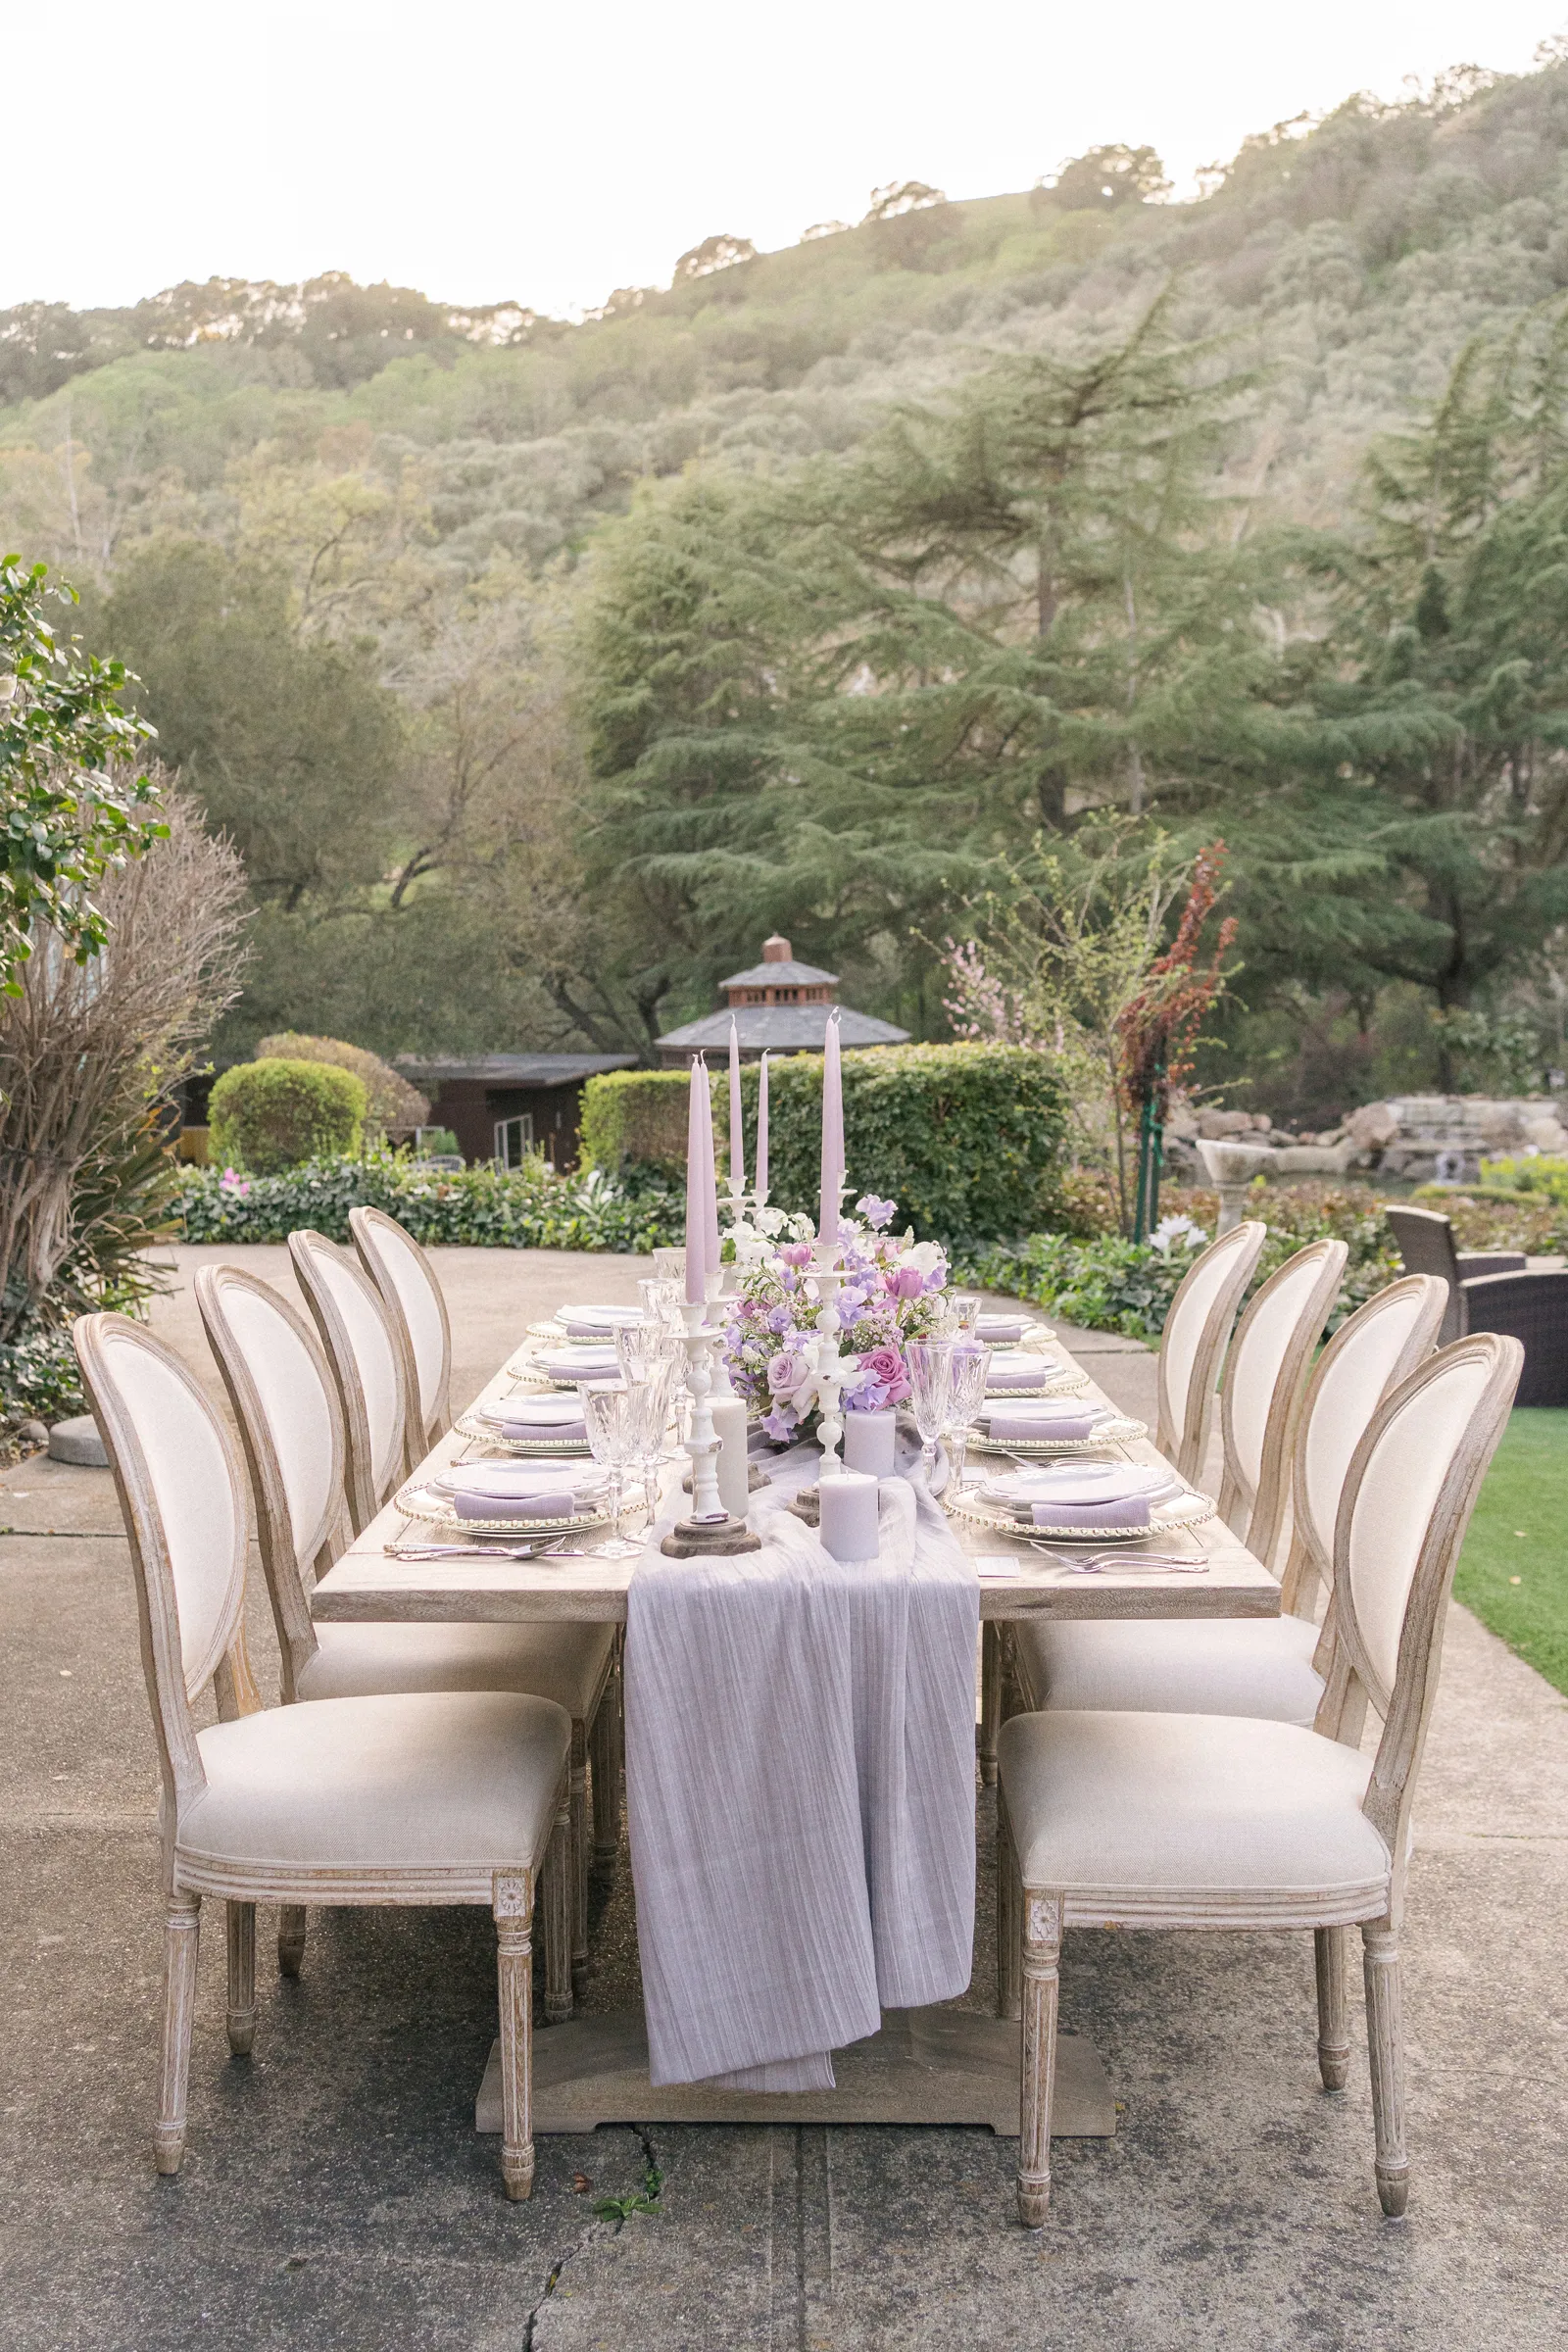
(1265, 1371)
(417, 1313)
(367, 1366)
(1197, 1325)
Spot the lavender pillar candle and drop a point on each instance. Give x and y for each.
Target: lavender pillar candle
(868, 1441)
(827, 1226)
(761, 1132)
(694, 1184)
(737, 1132)
(849, 1514)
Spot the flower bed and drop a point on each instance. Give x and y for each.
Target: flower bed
(529, 1207)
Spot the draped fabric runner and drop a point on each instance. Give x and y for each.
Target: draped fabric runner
(800, 1786)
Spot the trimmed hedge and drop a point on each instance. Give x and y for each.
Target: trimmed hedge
(1542, 1174)
(529, 1207)
(966, 1139)
(269, 1115)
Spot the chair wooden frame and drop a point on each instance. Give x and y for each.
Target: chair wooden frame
(366, 1480)
(291, 1565)
(1186, 1446)
(1310, 1559)
(510, 1893)
(1031, 1919)
(425, 1429)
(1257, 1514)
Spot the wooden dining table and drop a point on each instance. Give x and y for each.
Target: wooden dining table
(937, 2065)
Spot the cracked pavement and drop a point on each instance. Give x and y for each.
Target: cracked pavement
(334, 2193)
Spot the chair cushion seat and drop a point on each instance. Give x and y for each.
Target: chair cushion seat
(435, 1784)
(563, 1662)
(1116, 1809)
(1175, 1666)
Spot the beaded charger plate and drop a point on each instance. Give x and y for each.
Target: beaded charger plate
(562, 1449)
(538, 1372)
(1061, 1380)
(1182, 1510)
(417, 1502)
(1114, 1432)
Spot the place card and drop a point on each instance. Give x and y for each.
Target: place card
(998, 1564)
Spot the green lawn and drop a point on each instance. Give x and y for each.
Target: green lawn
(1514, 1570)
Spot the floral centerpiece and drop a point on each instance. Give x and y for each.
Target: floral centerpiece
(891, 1293)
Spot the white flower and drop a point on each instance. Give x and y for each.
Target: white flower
(925, 1257)
(1182, 1231)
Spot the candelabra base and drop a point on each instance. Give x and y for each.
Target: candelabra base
(806, 1505)
(689, 1537)
(756, 1479)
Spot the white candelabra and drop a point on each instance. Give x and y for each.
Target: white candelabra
(830, 1367)
(710, 1526)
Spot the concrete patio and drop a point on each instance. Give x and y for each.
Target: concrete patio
(334, 2193)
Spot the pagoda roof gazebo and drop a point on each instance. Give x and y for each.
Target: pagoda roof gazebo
(778, 1006)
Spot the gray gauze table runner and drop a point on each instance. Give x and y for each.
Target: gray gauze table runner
(799, 1787)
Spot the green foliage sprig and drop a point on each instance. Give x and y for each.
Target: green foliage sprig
(69, 807)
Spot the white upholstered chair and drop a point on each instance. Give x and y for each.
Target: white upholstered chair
(1196, 1327)
(418, 1312)
(367, 1369)
(1116, 1818)
(1268, 1666)
(285, 1401)
(1260, 1400)
(410, 1797)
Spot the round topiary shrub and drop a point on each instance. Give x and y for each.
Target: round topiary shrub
(267, 1115)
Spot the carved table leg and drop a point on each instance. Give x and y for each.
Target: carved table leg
(1041, 1952)
(1333, 2024)
(290, 1939)
(560, 1908)
(512, 1907)
(1385, 2033)
(241, 1978)
(1009, 1915)
(604, 1748)
(182, 1931)
(579, 1859)
(990, 1700)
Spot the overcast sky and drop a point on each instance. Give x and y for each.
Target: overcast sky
(500, 149)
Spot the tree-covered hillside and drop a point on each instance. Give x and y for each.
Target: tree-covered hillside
(349, 537)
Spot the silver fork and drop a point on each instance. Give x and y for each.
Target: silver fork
(553, 1550)
(1111, 1563)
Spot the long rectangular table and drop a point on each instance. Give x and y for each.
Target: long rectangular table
(364, 1583)
(934, 2065)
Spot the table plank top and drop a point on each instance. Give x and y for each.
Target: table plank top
(363, 1584)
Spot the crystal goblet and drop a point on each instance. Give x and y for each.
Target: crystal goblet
(929, 1366)
(610, 1418)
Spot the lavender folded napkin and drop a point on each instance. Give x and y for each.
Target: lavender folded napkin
(569, 1431)
(1000, 1331)
(1018, 1372)
(556, 1504)
(581, 1363)
(1012, 1429)
(1125, 1510)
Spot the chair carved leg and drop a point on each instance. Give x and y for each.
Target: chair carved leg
(1385, 2033)
(241, 1978)
(513, 1907)
(603, 1748)
(1333, 2024)
(182, 1932)
(1009, 1916)
(1041, 1953)
(990, 1700)
(560, 1907)
(290, 1939)
(579, 1859)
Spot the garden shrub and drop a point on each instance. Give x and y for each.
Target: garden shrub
(639, 1117)
(270, 1115)
(1542, 1174)
(529, 1207)
(1492, 1218)
(966, 1139)
(392, 1105)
